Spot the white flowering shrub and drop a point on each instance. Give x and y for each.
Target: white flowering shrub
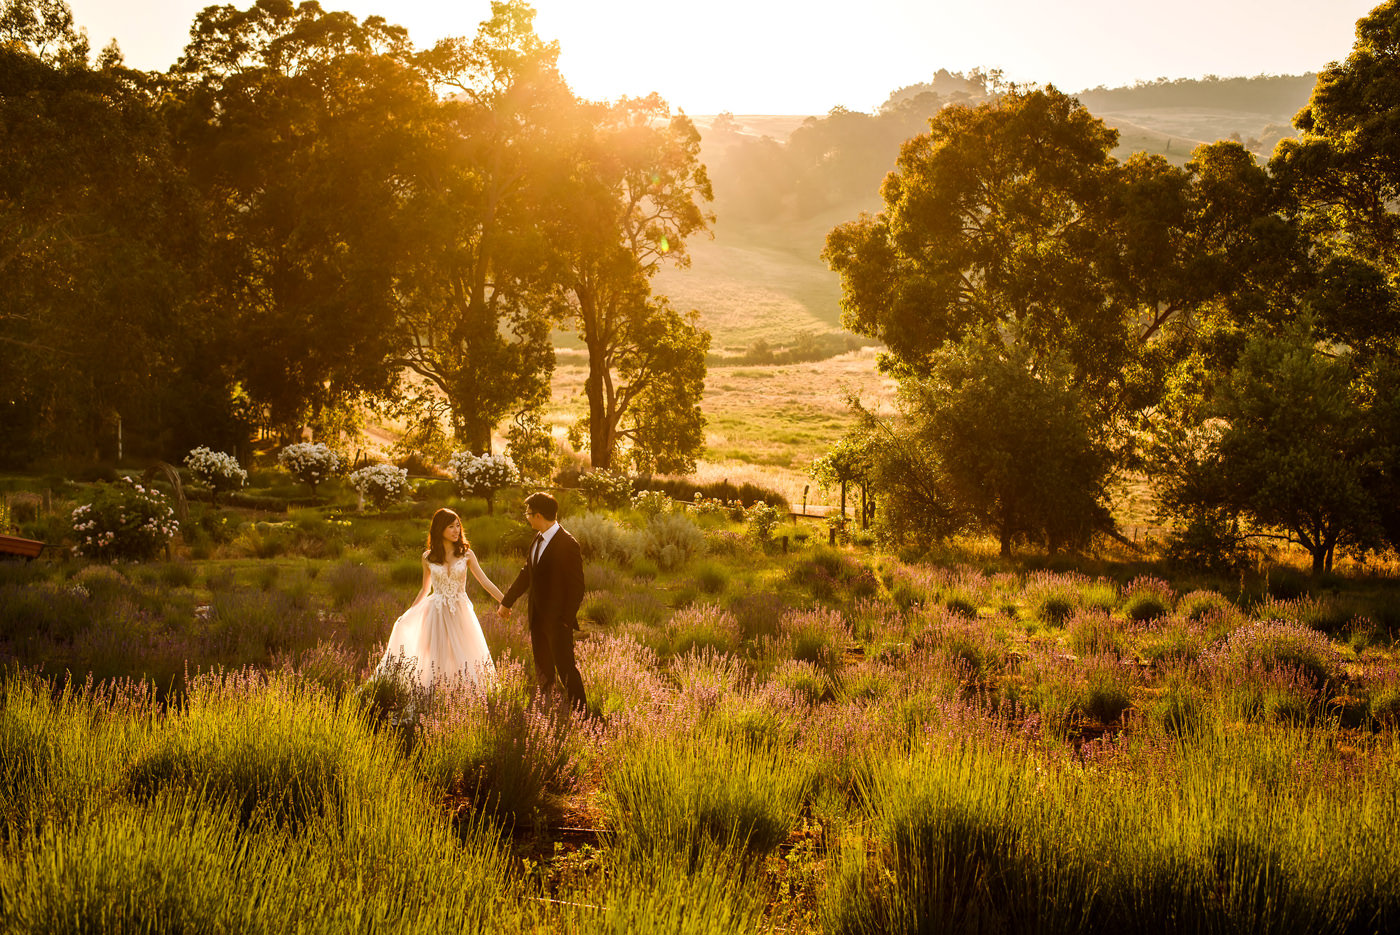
(381, 484)
(216, 470)
(482, 475)
(125, 520)
(702, 505)
(606, 488)
(651, 502)
(310, 462)
(762, 519)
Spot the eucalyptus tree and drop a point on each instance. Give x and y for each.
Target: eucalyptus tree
(298, 128)
(480, 290)
(103, 347)
(636, 193)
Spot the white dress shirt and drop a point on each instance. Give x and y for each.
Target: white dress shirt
(543, 542)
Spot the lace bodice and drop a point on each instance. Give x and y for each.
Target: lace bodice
(449, 583)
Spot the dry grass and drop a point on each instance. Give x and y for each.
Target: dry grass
(765, 424)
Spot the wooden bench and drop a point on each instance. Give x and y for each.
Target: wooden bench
(27, 549)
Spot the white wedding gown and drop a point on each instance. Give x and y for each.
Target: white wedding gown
(439, 638)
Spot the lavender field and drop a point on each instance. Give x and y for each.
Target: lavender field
(831, 739)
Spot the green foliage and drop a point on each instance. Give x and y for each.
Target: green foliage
(672, 540)
(603, 539)
(1273, 645)
(679, 799)
(762, 520)
(531, 446)
(605, 488)
(1294, 449)
(1146, 599)
(125, 520)
(630, 208)
(272, 752)
(508, 757)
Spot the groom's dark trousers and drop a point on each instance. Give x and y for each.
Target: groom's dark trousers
(554, 582)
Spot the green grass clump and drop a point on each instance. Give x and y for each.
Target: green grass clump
(1146, 599)
(273, 749)
(682, 798)
(711, 895)
(1274, 645)
(1093, 632)
(510, 757)
(701, 627)
(712, 578)
(1197, 605)
(1052, 598)
(804, 679)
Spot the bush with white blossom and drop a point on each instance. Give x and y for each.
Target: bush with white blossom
(381, 484)
(216, 470)
(651, 502)
(762, 519)
(125, 520)
(606, 488)
(482, 475)
(310, 462)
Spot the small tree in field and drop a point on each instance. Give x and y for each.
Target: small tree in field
(216, 470)
(310, 463)
(483, 475)
(846, 464)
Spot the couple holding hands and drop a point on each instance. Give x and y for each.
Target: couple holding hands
(439, 636)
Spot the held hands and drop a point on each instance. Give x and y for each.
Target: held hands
(503, 612)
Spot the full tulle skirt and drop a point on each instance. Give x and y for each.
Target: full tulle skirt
(436, 642)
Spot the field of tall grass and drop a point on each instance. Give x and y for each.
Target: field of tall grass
(814, 740)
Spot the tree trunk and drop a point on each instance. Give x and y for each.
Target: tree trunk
(599, 424)
(1005, 540)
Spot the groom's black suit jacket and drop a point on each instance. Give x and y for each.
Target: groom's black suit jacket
(555, 584)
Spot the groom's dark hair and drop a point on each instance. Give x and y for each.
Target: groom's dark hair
(543, 504)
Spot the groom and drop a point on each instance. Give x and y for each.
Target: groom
(553, 575)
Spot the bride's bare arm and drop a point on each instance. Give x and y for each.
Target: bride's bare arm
(427, 582)
(480, 576)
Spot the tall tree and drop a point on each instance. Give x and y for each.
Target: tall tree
(1292, 448)
(635, 197)
(297, 126)
(103, 347)
(479, 294)
(1346, 166)
(994, 218)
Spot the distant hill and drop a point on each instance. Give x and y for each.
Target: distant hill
(1280, 96)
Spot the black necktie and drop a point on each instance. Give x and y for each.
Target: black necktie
(535, 549)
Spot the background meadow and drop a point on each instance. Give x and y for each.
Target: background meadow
(780, 736)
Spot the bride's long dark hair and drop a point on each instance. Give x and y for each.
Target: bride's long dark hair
(437, 544)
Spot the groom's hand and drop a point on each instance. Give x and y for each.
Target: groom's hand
(503, 611)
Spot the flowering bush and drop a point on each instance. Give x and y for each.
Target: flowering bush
(715, 506)
(310, 463)
(381, 484)
(1268, 645)
(606, 488)
(762, 520)
(125, 520)
(651, 502)
(216, 470)
(1145, 599)
(482, 475)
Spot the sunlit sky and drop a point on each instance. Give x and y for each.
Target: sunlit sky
(790, 57)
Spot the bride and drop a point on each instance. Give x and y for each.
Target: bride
(439, 637)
